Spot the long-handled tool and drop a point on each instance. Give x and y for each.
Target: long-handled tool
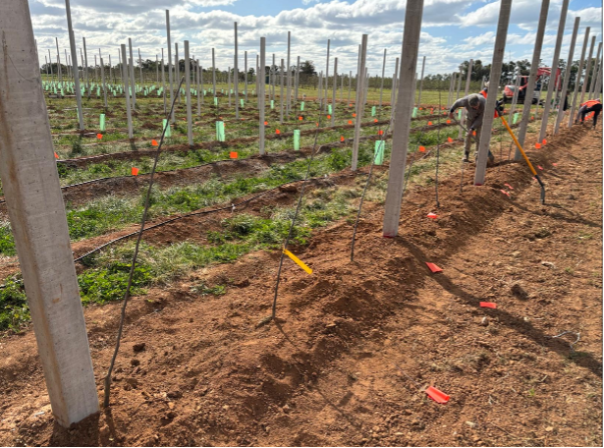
(472, 136)
(528, 162)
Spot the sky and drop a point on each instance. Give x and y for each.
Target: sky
(452, 30)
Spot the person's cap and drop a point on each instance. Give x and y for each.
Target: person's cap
(474, 100)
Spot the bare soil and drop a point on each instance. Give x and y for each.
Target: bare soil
(355, 343)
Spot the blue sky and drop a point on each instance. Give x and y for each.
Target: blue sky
(452, 30)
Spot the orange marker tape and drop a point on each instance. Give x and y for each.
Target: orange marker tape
(538, 145)
(56, 156)
(437, 395)
(233, 155)
(449, 139)
(99, 136)
(277, 131)
(435, 269)
(422, 149)
(429, 123)
(154, 142)
(488, 305)
(134, 171)
(266, 123)
(342, 138)
(448, 121)
(349, 121)
(432, 215)
(354, 115)
(329, 117)
(380, 132)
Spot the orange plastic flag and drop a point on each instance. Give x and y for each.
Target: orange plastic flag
(437, 395)
(134, 171)
(540, 167)
(56, 156)
(422, 149)
(329, 117)
(375, 121)
(538, 145)
(380, 132)
(505, 192)
(266, 123)
(99, 136)
(544, 142)
(233, 155)
(449, 139)
(154, 142)
(432, 215)
(300, 118)
(429, 123)
(277, 131)
(474, 133)
(509, 186)
(354, 115)
(488, 305)
(448, 121)
(435, 269)
(342, 138)
(349, 121)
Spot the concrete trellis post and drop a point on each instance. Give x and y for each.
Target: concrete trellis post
(466, 92)
(170, 75)
(327, 75)
(236, 75)
(593, 74)
(359, 103)
(260, 92)
(245, 75)
(555, 63)
(163, 81)
(578, 77)
(126, 77)
(157, 69)
(177, 68)
(404, 108)
(229, 85)
(530, 88)
(383, 73)
(59, 68)
(459, 85)
(281, 98)
(289, 72)
(86, 67)
(395, 85)
(598, 88)
(213, 74)
(140, 67)
(515, 96)
(451, 83)
(297, 81)
(188, 94)
(37, 213)
(132, 81)
(569, 63)
(494, 78)
(421, 83)
(103, 82)
(335, 90)
(587, 69)
(74, 59)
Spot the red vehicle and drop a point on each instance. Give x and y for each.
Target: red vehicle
(542, 73)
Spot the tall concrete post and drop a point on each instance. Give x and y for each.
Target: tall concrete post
(383, 73)
(236, 75)
(59, 68)
(451, 84)
(515, 96)
(297, 80)
(594, 75)
(404, 109)
(359, 103)
(140, 67)
(327, 76)
(260, 75)
(132, 80)
(213, 74)
(578, 77)
(37, 214)
(532, 80)
(569, 64)
(289, 72)
(487, 121)
(587, 70)
(163, 81)
(103, 82)
(598, 88)
(86, 67)
(335, 90)
(459, 85)
(74, 60)
(281, 97)
(170, 75)
(421, 83)
(126, 78)
(466, 93)
(188, 94)
(555, 64)
(245, 75)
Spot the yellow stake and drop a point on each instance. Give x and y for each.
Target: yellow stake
(297, 261)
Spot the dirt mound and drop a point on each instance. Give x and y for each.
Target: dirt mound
(355, 342)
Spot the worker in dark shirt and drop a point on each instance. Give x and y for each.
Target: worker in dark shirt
(588, 107)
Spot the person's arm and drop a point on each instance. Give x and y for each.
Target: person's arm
(462, 102)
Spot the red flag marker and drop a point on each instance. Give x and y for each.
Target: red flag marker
(488, 305)
(342, 138)
(233, 155)
(505, 192)
(375, 121)
(354, 115)
(429, 123)
(432, 215)
(431, 110)
(277, 131)
(350, 105)
(555, 164)
(266, 123)
(329, 117)
(154, 142)
(300, 118)
(448, 121)
(56, 156)
(538, 145)
(349, 121)
(474, 133)
(437, 395)
(449, 139)
(544, 142)
(540, 167)
(99, 136)
(509, 186)
(422, 149)
(380, 132)
(435, 269)
(134, 171)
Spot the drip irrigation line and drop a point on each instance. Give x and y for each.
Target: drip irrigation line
(107, 385)
(383, 146)
(291, 227)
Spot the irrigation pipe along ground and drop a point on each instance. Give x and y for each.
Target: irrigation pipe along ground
(107, 385)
